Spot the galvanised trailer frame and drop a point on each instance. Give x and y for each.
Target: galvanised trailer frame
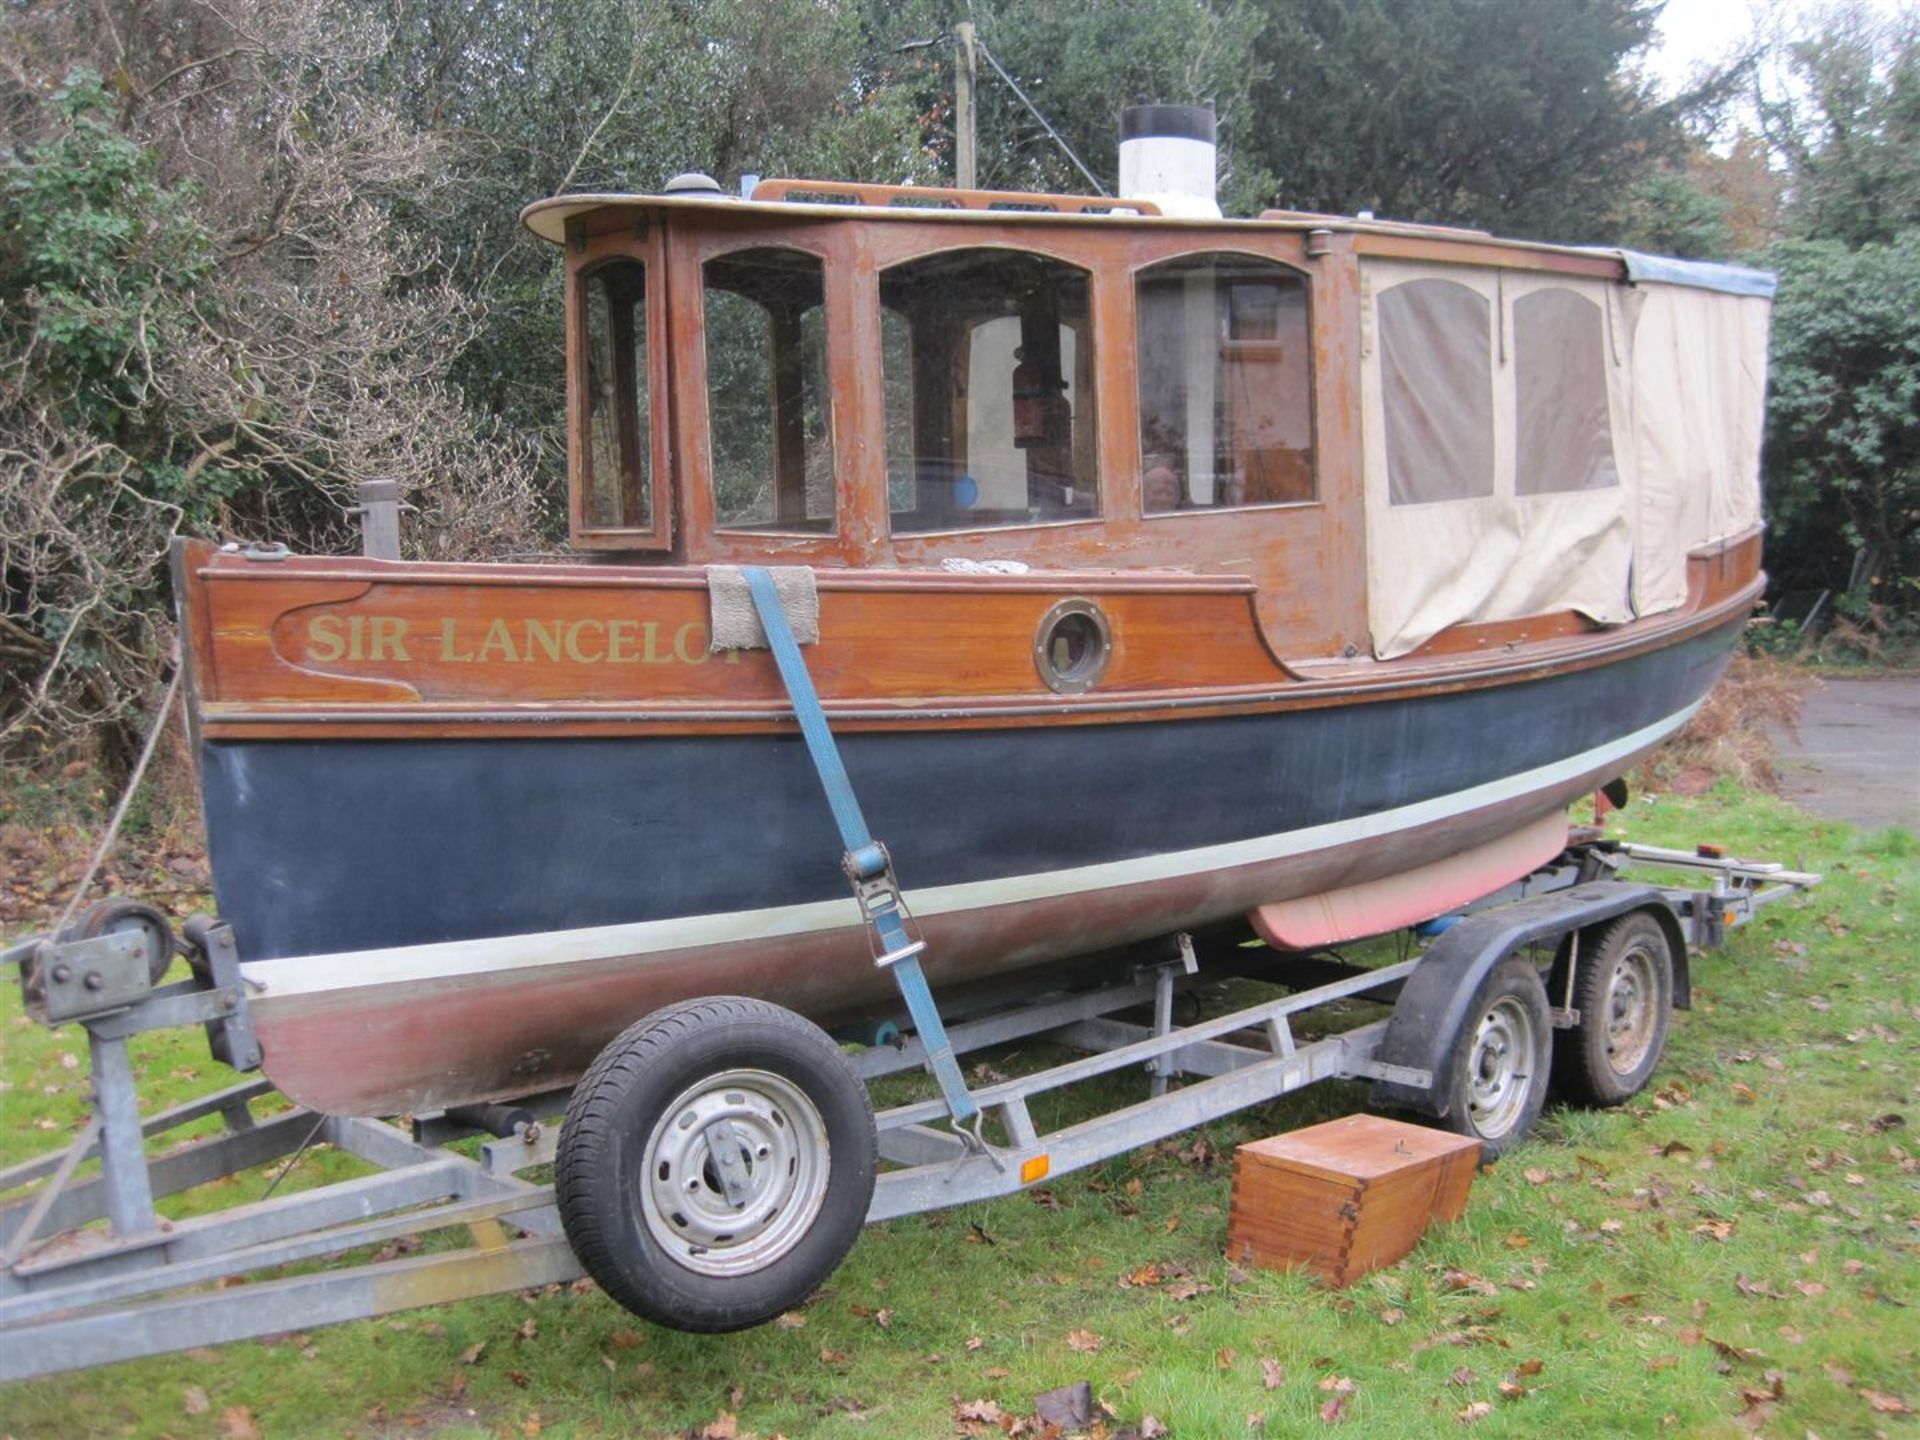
(90, 1274)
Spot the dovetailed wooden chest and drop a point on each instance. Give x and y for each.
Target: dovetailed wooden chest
(1347, 1197)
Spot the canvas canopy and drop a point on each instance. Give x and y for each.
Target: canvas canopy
(1537, 442)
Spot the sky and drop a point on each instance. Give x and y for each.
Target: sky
(1697, 32)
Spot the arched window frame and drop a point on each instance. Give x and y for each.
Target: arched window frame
(1309, 397)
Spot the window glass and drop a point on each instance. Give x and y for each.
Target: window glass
(1436, 379)
(988, 366)
(1566, 436)
(769, 402)
(618, 461)
(1225, 391)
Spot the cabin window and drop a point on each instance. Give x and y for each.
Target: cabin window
(987, 358)
(617, 464)
(1566, 434)
(1436, 378)
(769, 400)
(1226, 415)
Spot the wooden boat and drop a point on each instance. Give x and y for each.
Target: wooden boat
(1167, 570)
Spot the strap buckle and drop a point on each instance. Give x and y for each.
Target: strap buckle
(892, 934)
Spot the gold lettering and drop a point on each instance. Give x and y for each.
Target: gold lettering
(692, 651)
(619, 635)
(448, 650)
(357, 637)
(499, 638)
(653, 655)
(574, 652)
(546, 636)
(389, 638)
(324, 640)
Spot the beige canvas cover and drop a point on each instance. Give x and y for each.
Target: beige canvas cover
(1436, 559)
(1699, 394)
(1602, 460)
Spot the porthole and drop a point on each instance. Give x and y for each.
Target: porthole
(1071, 647)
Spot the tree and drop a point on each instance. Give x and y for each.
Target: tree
(1844, 119)
(1523, 117)
(1843, 420)
(212, 325)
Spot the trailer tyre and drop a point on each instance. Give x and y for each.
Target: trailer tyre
(1498, 1072)
(716, 1164)
(1623, 989)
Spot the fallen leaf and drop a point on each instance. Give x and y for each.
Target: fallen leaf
(624, 1339)
(791, 1320)
(1338, 1384)
(520, 1378)
(1392, 1315)
(1466, 1282)
(985, 1412)
(1530, 1367)
(1151, 1428)
(1335, 1410)
(1510, 1390)
(1884, 1403)
(236, 1423)
(1070, 1407)
(527, 1331)
(1462, 1377)
(725, 1426)
(1084, 1341)
(1478, 1410)
(471, 1355)
(1272, 1373)
(194, 1400)
(1536, 1176)
(1187, 1289)
(833, 1357)
(1146, 1275)
(975, 1342)
(1225, 1356)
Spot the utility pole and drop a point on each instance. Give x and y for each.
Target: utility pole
(965, 155)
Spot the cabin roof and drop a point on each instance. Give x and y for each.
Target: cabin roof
(839, 200)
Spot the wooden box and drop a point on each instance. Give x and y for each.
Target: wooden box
(1347, 1197)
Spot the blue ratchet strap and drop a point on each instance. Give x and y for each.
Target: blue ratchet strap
(867, 864)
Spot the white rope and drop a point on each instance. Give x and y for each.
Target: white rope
(126, 799)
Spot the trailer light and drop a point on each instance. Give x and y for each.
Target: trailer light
(1034, 1169)
(1712, 852)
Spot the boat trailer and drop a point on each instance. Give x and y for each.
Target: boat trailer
(91, 1274)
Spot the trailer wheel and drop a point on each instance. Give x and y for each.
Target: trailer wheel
(1497, 1076)
(1623, 989)
(716, 1164)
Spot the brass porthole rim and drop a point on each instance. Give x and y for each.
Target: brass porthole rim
(1087, 675)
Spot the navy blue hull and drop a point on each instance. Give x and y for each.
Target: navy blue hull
(357, 844)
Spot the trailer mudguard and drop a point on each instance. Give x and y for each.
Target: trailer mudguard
(1433, 1002)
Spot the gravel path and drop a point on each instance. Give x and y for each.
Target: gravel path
(1858, 755)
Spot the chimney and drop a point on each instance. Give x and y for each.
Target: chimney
(1167, 156)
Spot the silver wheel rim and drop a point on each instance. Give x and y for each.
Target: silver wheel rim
(1629, 1008)
(782, 1150)
(1501, 1067)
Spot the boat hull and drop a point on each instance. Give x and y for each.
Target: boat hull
(564, 887)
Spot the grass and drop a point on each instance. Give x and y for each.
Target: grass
(1737, 1251)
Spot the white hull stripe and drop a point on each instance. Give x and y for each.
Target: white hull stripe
(312, 974)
